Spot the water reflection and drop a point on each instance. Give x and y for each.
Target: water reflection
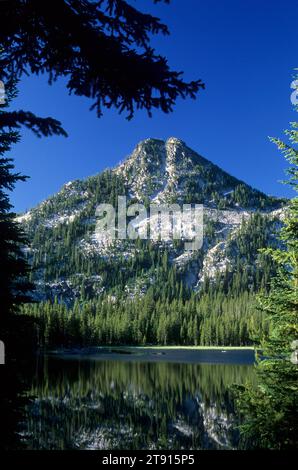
(88, 404)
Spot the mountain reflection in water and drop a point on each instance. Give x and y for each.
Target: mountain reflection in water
(82, 403)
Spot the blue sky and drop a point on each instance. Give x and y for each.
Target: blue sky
(245, 52)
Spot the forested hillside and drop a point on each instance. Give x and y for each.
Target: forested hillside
(90, 290)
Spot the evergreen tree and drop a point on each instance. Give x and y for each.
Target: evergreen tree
(14, 283)
(102, 48)
(270, 409)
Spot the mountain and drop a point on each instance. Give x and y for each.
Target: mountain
(71, 262)
(172, 172)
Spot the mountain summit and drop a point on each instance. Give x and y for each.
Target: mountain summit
(169, 171)
(71, 262)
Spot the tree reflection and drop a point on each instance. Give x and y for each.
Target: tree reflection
(88, 404)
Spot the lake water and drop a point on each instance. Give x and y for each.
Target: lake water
(133, 399)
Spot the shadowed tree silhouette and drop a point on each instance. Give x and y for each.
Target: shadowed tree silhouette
(101, 47)
(14, 286)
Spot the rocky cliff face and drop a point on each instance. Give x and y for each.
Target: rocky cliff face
(167, 171)
(67, 254)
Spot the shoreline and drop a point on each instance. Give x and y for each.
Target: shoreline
(183, 347)
(186, 354)
(92, 349)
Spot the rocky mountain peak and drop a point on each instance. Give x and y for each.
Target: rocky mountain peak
(68, 253)
(170, 171)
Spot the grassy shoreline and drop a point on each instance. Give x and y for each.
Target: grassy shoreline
(122, 348)
(222, 348)
(125, 346)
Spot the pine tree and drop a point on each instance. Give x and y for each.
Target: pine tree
(101, 48)
(270, 409)
(14, 285)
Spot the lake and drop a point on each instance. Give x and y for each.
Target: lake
(119, 398)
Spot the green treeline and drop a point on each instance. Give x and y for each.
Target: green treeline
(214, 319)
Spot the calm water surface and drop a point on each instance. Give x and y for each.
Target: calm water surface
(126, 399)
